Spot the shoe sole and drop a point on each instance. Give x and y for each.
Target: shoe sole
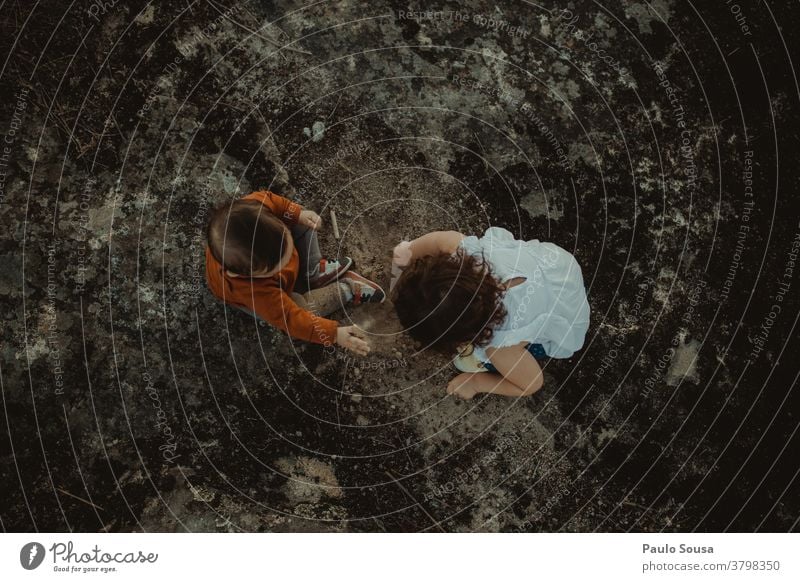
(364, 280)
(467, 365)
(330, 278)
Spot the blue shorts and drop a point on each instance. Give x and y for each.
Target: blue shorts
(536, 350)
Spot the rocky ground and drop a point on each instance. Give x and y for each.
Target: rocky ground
(656, 141)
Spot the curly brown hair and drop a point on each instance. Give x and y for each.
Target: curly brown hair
(446, 301)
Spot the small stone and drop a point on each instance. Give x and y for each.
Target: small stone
(317, 131)
(356, 397)
(229, 183)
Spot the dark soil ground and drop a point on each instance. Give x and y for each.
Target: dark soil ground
(656, 141)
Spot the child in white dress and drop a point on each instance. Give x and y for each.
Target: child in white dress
(496, 301)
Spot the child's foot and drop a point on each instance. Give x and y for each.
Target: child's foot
(461, 386)
(329, 271)
(362, 290)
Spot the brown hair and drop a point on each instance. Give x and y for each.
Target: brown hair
(245, 237)
(446, 301)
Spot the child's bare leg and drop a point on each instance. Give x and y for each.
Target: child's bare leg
(518, 374)
(466, 385)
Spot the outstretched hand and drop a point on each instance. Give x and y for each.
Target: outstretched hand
(352, 338)
(402, 254)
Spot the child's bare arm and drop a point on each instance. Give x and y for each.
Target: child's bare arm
(433, 243)
(518, 374)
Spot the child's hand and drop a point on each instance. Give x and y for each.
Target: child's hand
(461, 386)
(402, 254)
(352, 338)
(401, 257)
(310, 219)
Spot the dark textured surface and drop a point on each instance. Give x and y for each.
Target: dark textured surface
(624, 132)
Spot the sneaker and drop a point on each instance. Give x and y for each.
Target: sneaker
(466, 361)
(363, 290)
(329, 271)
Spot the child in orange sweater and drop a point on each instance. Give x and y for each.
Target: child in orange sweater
(263, 257)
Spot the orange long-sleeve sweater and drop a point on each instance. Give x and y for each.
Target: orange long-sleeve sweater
(271, 297)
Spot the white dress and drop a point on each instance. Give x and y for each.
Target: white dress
(549, 307)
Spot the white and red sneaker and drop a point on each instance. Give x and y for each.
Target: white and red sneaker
(363, 290)
(329, 271)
